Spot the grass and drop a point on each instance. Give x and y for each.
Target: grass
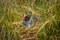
(47, 11)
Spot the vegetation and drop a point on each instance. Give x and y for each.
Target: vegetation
(47, 27)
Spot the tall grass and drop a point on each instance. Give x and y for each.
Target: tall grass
(47, 12)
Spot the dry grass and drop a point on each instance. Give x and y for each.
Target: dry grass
(47, 12)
